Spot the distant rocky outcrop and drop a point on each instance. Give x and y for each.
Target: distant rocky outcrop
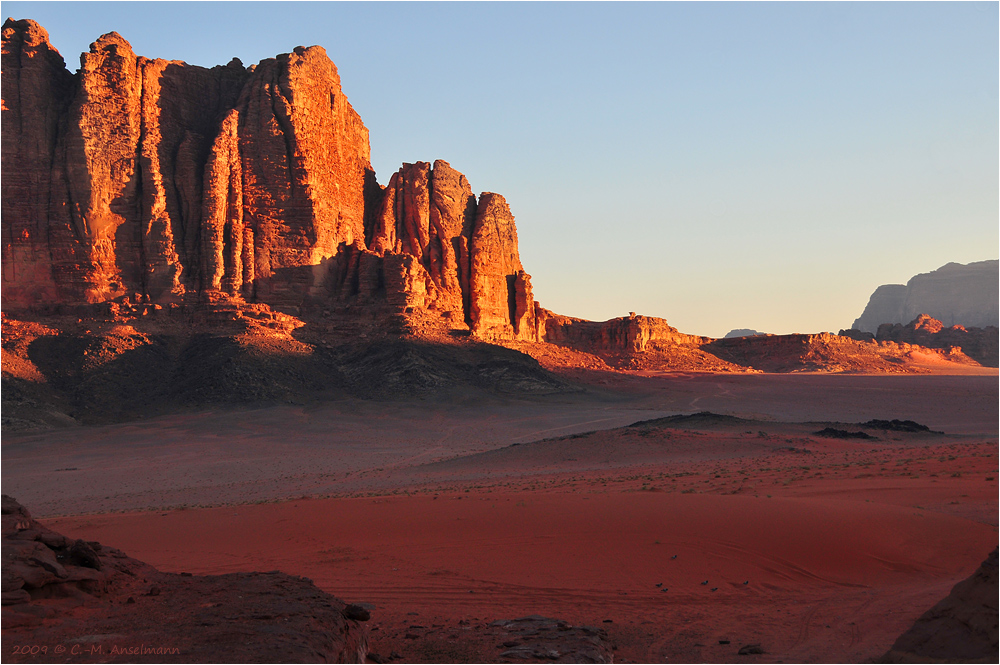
(163, 182)
(955, 294)
(742, 332)
(132, 612)
(648, 343)
(822, 352)
(980, 344)
(633, 342)
(962, 628)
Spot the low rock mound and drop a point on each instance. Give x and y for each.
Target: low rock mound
(700, 420)
(96, 602)
(962, 628)
(540, 639)
(834, 433)
(825, 352)
(897, 425)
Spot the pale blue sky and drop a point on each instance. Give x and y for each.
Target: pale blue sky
(721, 165)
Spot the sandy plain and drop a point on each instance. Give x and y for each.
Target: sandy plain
(819, 549)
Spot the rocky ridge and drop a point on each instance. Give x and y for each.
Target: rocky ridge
(980, 344)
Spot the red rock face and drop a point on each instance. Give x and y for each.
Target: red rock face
(632, 334)
(36, 91)
(159, 178)
(172, 178)
(428, 214)
(502, 306)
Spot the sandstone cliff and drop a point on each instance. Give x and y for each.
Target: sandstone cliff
(36, 92)
(956, 294)
(161, 181)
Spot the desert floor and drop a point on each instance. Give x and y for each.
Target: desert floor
(819, 549)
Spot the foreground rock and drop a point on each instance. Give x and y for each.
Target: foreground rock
(540, 639)
(956, 294)
(962, 628)
(89, 603)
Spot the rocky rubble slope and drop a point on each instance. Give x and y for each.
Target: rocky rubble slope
(84, 602)
(93, 371)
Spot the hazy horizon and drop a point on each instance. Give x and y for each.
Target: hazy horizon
(722, 166)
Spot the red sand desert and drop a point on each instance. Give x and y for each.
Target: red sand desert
(819, 549)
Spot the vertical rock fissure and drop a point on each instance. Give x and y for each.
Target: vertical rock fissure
(287, 132)
(512, 301)
(144, 226)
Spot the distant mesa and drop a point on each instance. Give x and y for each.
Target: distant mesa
(954, 294)
(742, 332)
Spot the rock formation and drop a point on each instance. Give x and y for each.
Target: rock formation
(61, 591)
(634, 333)
(633, 342)
(956, 294)
(742, 332)
(962, 628)
(171, 181)
(824, 352)
(542, 639)
(980, 344)
(36, 92)
(501, 290)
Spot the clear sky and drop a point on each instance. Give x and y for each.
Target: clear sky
(720, 165)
